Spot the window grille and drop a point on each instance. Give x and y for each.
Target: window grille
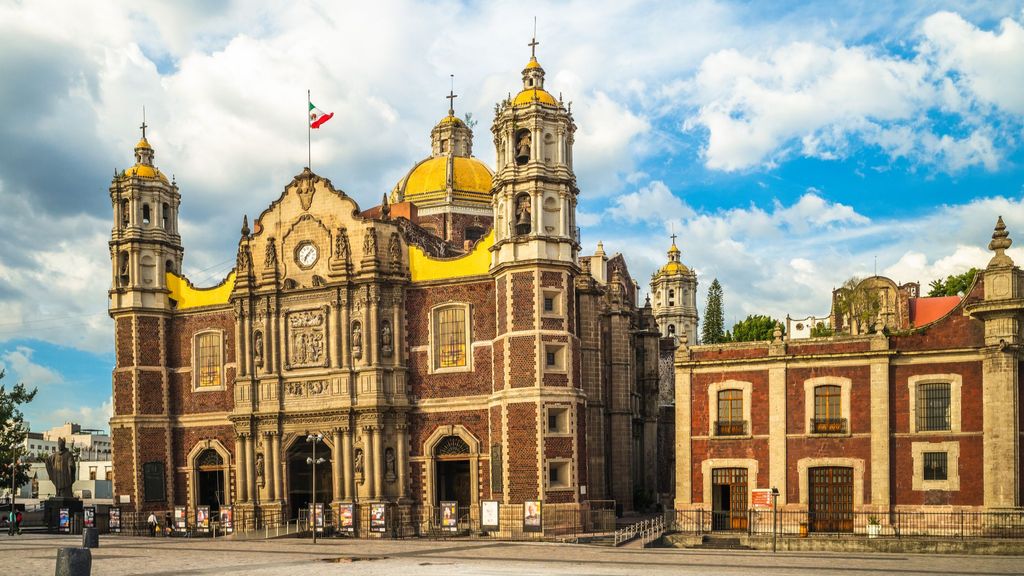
(451, 338)
(451, 446)
(209, 359)
(933, 407)
(935, 466)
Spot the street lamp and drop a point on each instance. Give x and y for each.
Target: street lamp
(314, 439)
(775, 515)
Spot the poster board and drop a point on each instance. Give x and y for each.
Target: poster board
(180, 520)
(115, 520)
(489, 516)
(227, 519)
(450, 516)
(203, 519)
(318, 516)
(532, 520)
(64, 521)
(89, 517)
(761, 499)
(378, 518)
(347, 518)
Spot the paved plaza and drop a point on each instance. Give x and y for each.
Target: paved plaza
(35, 554)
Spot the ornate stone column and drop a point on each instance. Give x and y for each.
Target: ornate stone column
(241, 492)
(378, 462)
(250, 468)
(275, 443)
(348, 473)
(369, 461)
(402, 458)
(372, 331)
(339, 490)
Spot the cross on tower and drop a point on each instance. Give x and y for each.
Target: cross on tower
(533, 43)
(143, 123)
(451, 98)
(673, 239)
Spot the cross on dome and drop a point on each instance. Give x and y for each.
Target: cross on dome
(451, 98)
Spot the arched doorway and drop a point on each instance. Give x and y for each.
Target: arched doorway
(452, 471)
(300, 476)
(209, 466)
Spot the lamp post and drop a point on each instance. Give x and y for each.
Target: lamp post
(775, 515)
(314, 439)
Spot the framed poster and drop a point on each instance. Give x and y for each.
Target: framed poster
(89, 516)
(761, 499)
(115, 520)
(378, 518)
(318, 516)
(64, 521)
(489, 518)
(180, 521)
(227, 519)
(203, 518)
(450, 516)
(347, 518)
(532, 521)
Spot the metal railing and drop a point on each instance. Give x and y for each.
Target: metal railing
(730, 428)
(645, 532)
(828, 425)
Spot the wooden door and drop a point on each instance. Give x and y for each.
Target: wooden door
(831, 501)
(729, 499)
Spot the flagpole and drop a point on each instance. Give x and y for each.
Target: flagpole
(309, 135)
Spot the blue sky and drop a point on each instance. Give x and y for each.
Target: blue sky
(789, 145)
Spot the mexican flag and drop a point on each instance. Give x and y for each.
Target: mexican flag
(317, 117)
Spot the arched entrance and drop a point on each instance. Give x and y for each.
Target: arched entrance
(300, 476)
(210, 470)
(452, 471)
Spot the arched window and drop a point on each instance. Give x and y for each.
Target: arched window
(125, 213)
(450, 337)
(169, 266)
(165, 215)
(145, 214)
(671, 293)
(730, 413)
(671, 329)
(122, 269)
(524, 214)
(209, 361)
(523, 146)
(828, 416)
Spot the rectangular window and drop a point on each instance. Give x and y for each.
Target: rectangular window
(558, 420)
(935, 466)
(551, 358)
(92, 472)
(450, 345)
(558, 474)
(932, 407)
(827, 415)
(153, 481)
(554, 357)
(730, 413)
(549, 304)
(210, 361)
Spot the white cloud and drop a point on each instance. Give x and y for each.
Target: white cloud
(95, 417)
(653, 204)
(20, 368)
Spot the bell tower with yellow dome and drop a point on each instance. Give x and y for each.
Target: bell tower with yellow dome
(144, 241)
(674, 298)
(451, 189)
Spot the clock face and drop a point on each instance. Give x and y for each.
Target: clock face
(306, 255)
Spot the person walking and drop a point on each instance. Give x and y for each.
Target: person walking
(152, 524)
(17, 521)
(11, 518)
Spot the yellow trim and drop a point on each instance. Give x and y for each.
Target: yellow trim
(424, 268)
(188, 296)
(530, 95)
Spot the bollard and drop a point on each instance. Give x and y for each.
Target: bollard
(90, 538)
(73, 562)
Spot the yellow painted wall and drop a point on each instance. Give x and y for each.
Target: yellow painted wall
(188, 296)
(424, 268)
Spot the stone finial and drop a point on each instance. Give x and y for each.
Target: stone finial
(777, 333)
(1000, 242)
(245, 226)
(880, 327)
(685, 339)
(600, 249)
(385, 208)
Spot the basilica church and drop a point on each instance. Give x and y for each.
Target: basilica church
(449, 344)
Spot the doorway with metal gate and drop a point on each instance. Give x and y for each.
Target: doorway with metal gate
(830, 507)
(729, 499)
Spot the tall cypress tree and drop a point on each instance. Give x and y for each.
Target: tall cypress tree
(713, 330)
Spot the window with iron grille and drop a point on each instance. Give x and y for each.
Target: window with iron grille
(730, 413)
(208, 346)
(450, 344)
(932, 406)
(828, 415)
(935, 466)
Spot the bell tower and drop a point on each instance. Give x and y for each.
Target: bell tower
(144, 241)
(534, 263)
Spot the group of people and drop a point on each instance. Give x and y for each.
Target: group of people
(154, 524)
(14, 518)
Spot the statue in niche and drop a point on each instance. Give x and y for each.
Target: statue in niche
(61, 468)
(523, 148)
(341, 247)
(395, 251)
(357, 341)
(257, 348)
(260, 470)
(359, 464)
(389, 464)
(370, 243)
(386, 338)
(271, 256)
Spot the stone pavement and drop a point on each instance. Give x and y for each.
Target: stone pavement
(36, 554)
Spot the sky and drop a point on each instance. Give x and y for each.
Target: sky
(789, 146)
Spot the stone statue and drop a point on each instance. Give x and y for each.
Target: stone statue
(258, 348)
(260, 469)
(242, 264)
(389, 463)
(395, 251)
(386, 339)
(357, 340)
(341, 246)
(271, 257)
(61, 468)
(370, 243)
(359, 464)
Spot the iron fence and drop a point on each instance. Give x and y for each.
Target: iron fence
(953, 524)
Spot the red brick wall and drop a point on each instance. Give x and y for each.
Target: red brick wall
(450, 384)
(558, 447)
(970, 392)
(860, 396)
(730, 353)
(184, 326)
(702, 450)
(123, 393)
(700, 410)
(124, 481)
(972, 475)
(149, 340)
(124, 342)
(581, 444)
(479, 295)
(523, 368)
(953, 331)
(152, 447)
(498, 381)
(524, 306)
(522, 452)
(501, 311)
(422, 425)
(184, 400)
(825, 447)
(151, 393)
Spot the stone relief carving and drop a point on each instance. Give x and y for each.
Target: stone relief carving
(243, 261)
(357, 340)
(370, 243)
(395, 252)
(389, 464)
(307, 388)
(305, 192)
(307, 343)
(386, 339)
(257, 348)
(271, 256)
(341, 247)
(359, 464)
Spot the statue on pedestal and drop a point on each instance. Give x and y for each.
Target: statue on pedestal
(61, 468)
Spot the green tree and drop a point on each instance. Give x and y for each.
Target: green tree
(753, 328)
(953, 285)
(820, 331)
(713, 329)
(858, 304)
(13, 433)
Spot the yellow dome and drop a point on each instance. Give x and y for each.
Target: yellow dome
(530, 95)
(428, 181)
(144, 171)
(533, 63)
(673, 268)
(449, 119)
(143, 143)
(673, 249)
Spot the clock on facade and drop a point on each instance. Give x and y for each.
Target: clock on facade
(306, 254)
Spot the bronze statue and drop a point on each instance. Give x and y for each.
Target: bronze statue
(61, 468)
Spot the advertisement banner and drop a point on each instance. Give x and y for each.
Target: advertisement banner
(227, 519)
(347, 517)
(318, 516)
(489, 518)
(532, 516)
(378, 518)
(203, 518)
(64, 521)
(89, 516)
(115, 520)
(450, 516)
(180, 521)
